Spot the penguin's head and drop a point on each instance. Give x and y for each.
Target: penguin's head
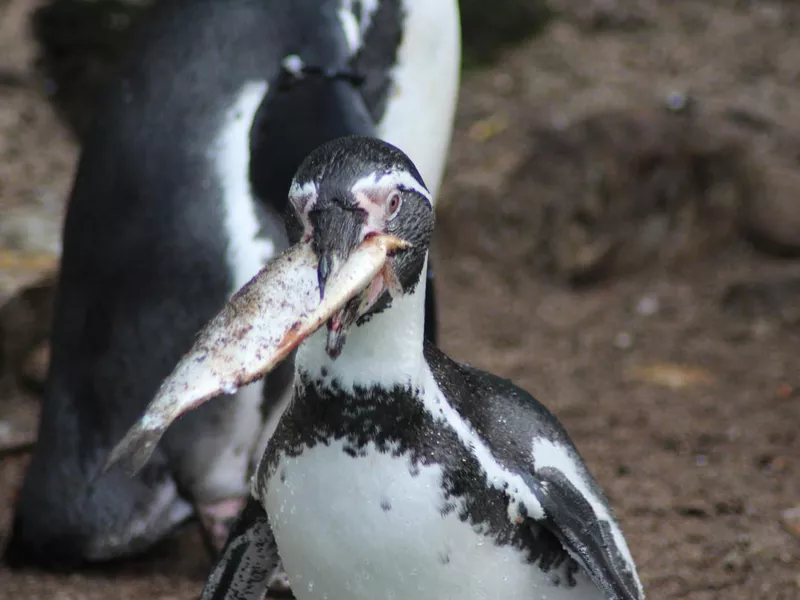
(347, 191)
(362, 224)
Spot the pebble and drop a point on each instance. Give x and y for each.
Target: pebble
(623, 340)
(678, 101)
(647, 306)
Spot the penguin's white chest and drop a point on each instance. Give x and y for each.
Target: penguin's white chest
(370, 527)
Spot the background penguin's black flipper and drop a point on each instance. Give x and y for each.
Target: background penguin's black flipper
(247, 562)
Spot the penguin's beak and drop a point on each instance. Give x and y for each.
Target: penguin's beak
(259, 327)
(336, 232)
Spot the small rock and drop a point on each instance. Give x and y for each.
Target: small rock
(648, 306)
(679, 102)
(623, 340)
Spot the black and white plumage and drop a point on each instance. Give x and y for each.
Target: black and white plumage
(178, 201)
(394, 472)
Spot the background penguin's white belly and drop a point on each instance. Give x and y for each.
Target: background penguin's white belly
(366, 528)
(422, 102)
(217, 466)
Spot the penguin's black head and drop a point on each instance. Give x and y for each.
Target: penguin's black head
(350, 189)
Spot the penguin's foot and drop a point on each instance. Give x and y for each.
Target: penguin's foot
(217, 519)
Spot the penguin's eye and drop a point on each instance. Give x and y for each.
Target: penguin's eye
(393, 204)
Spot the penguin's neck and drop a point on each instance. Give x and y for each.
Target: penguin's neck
(385, 351)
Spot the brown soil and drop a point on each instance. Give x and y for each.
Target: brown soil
(675, 367)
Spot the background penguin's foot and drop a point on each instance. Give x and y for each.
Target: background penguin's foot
(216, 521)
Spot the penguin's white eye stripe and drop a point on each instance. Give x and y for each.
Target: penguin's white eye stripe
(300, 194)
(302, 189)
(392, 179)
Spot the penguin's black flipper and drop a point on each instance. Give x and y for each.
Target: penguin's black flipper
(569, 515)
(248, 560)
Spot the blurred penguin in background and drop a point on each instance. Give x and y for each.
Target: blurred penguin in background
(179, 199)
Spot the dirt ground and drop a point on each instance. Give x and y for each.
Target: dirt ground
(589, 246)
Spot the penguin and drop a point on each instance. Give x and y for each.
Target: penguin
(179, 198)
(395, 472)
